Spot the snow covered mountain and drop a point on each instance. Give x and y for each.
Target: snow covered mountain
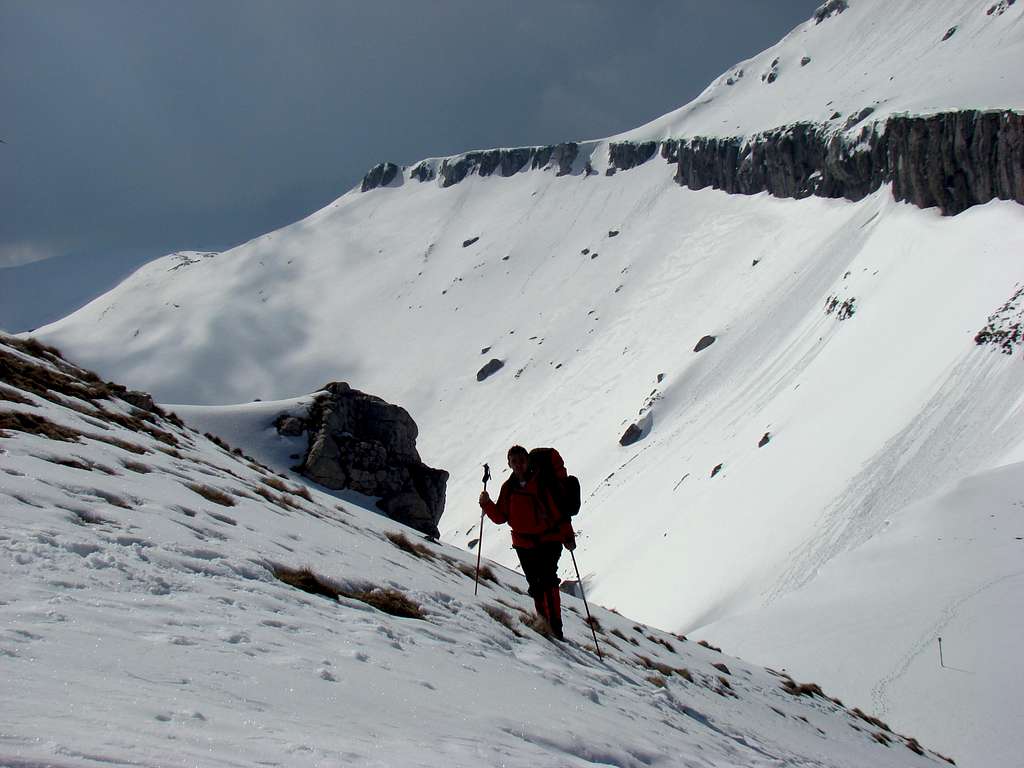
(865, 354)
(170, 602)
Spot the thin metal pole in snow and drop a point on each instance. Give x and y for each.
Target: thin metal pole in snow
(480, 540)
(941, 662)
(590, 619)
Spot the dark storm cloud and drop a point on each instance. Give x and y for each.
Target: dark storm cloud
(139, 128)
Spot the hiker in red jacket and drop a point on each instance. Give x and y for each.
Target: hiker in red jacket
(538, 531)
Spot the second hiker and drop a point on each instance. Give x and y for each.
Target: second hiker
(528, 503)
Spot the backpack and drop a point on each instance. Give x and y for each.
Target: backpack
(547, 465)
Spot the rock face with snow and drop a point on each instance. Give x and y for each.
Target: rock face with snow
(953, 160)
(361, 443)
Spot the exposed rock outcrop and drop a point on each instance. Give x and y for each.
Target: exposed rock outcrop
(380, 175)
(952, 160)
(508, 161)
(624, 155)
(362, 443)
(949, 160)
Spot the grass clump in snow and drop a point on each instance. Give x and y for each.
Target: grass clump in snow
(867, 718)
(619, 633)
(648, 663)
(709, 646)
(486, 574)
(414, 548)
(684, 673)
(657, 680)
(36, 425)
(210, 493)
(137, 466)
(13, 396)
(384, 599)
(503, 617)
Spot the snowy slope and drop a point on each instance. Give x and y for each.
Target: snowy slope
(889, 57)
(143, 624)
(592, 288)
(950, 567)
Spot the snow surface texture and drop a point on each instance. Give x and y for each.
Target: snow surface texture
(888, 57)
(143, 625)
(845, 331)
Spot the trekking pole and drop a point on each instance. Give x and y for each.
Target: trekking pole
(480, 539)
(941, 662)
(590, 619)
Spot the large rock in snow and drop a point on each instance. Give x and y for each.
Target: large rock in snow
(362, 443)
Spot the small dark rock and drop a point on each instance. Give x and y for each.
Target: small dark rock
(493, 366)
(716, 470)
(585, 251)
(505, 258)
(631, 435)
(593, 256)
(467, 243)
(721, 668)
(805, 61)
(704, 343)
(949, 33)
(755, 262)
(485, 350)
(764, 440)
(612, 232)
(661, 377)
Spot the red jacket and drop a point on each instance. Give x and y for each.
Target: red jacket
(531, 515)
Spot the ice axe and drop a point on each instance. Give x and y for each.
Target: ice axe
(480, 539)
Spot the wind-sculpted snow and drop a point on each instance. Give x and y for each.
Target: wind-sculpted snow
(149, 618)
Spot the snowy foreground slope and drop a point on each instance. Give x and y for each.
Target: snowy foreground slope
(146, 622)
(844, 332)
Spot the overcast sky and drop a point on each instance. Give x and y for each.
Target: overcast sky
(133, 128)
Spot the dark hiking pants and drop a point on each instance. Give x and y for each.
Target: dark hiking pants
(540, 566)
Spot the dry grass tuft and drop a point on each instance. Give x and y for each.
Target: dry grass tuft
(211, 494)
(503, 617)
(708, 645)
(117, 442)
(13, 396)
(136, 466)
(276, 483)
(648, 663)
(721, 668)
(657, 680)
(684, 673)
(594, 624)
(619, 633)
(537, 623)
(388, 600)
(36, 425)
(414, 548)
(866, 717)
(306, 580)
(486, 574)
(660, 641)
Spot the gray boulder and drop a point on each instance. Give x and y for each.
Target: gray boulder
(362, 443)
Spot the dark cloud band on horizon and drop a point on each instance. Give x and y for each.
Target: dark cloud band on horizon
(154, 126)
